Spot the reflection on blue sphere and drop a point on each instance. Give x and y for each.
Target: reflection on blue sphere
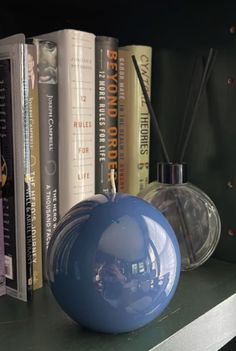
(113, 263)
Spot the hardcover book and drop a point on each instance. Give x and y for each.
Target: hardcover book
(106, 112)
(137, 148)
(35, 168)
(35, 157)
(76, 66)
(16, 185)
(48, 112)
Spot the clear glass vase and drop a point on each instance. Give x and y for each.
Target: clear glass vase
(191, 213)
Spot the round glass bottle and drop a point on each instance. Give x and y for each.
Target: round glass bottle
(191, 213)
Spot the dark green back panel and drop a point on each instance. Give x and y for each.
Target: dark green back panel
(211, 152)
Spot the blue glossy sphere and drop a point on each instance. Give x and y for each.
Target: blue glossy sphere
(113, 263)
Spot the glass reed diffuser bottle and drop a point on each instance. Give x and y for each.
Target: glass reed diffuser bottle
(192, 214)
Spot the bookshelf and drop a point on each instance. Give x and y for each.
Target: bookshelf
(202, 312)
(200, 317)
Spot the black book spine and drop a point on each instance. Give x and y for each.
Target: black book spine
(106, 112)
(8, 186)
(2, 261)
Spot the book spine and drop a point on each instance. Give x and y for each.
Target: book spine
(12, 163)
(76, 157)
(35, 167)
(138, 134)
(76, 66)
(48, 111)
(106, 125)
(122, 124)
(2, 265)
(8, 174)
(16, 171)
(27, 102)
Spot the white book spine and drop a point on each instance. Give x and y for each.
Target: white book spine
(76, 83)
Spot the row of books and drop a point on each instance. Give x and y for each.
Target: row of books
(71, 111)
(28, 126)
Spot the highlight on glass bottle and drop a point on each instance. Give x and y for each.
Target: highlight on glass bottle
(191, 213)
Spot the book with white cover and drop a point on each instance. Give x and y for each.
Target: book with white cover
(76, 84)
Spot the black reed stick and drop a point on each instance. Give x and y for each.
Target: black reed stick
(150, 109)
(206, 74)
(195, 69)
